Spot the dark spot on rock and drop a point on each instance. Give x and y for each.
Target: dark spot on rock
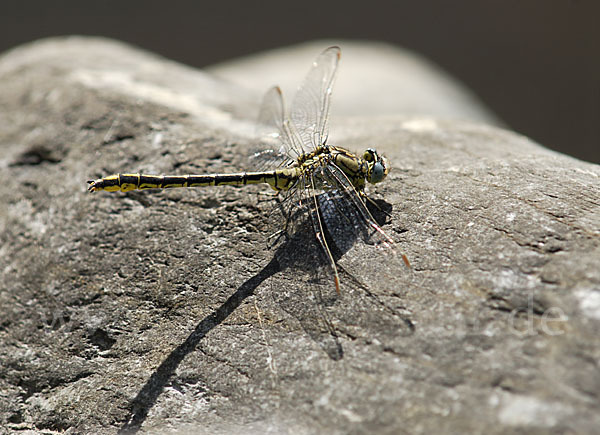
(101, 339)
(37, 155)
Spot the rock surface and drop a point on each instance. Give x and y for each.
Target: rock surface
(165, 311)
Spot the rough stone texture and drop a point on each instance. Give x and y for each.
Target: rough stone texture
(164, 310)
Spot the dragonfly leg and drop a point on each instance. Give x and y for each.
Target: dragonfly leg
(366, 198)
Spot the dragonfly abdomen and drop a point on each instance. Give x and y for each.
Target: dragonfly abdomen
(281, 179)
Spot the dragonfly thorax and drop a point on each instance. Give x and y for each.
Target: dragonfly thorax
(372, 167)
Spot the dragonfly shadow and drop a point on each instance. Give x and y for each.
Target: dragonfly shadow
(308, 287)
(305, 299)
(380, 209)
(148, 395)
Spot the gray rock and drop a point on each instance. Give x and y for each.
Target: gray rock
(165, 311)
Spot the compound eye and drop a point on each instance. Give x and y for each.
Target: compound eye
(378, 173)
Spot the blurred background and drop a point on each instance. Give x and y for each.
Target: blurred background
(535, 63)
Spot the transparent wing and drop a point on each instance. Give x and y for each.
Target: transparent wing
(345, 214)
(302, 253)
(274, 124)
(310, 107)
(307, 125)
(261, 159)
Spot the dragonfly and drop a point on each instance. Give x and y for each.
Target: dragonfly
(317, 181)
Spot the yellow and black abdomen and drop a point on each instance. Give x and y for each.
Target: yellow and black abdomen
(281, 179)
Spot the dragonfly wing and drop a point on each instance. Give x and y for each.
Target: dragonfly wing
(317, 220)
(308, 295)
(274, 123)
(345, 211)
(348, 220)
(310, 107)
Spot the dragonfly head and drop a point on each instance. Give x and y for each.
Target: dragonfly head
(378, 166)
